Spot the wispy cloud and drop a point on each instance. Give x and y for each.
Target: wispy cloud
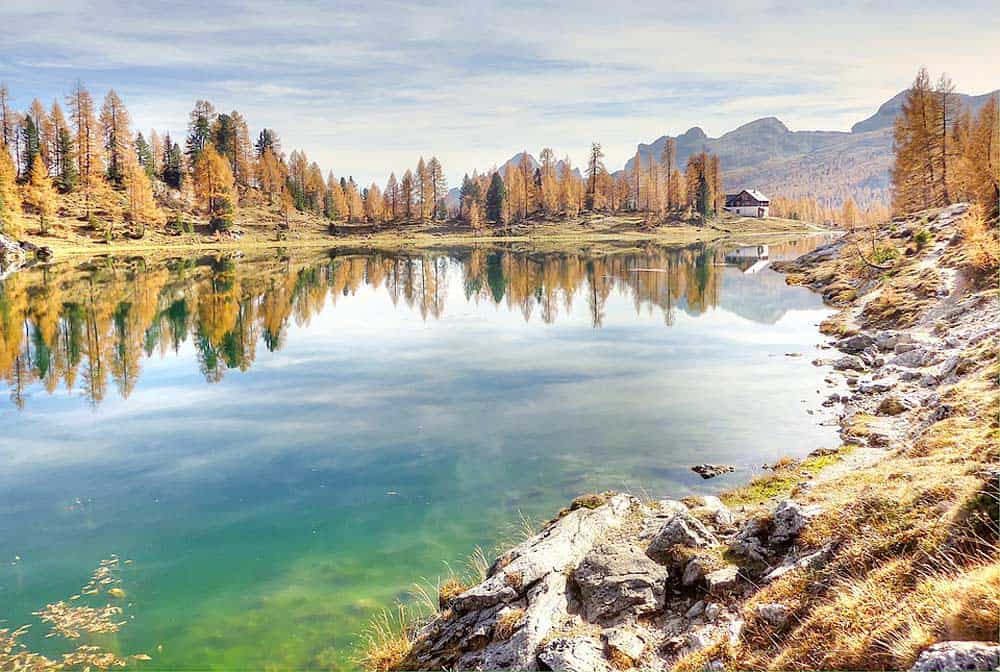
(365, 87)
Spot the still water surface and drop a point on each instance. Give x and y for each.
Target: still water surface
(282, 446)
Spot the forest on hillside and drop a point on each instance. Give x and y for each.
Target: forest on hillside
(127, 180)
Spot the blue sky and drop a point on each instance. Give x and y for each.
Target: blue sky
(368, 87)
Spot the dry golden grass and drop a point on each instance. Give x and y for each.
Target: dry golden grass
(916, 535)
(508, 622)
(981, 242)
(386, 641)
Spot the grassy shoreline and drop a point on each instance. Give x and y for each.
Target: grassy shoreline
(258, 230)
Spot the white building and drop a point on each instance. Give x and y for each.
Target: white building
(748, 203)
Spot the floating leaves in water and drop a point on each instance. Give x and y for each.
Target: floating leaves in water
(70, 621)
(73, 622)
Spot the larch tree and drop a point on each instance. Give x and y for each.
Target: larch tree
(117, 136)
(392, 197)
(214, 187)
(6, 118)
(406, 194)
(438, 187)
(917, 169)
(549, 190)
(10, 199)
(86, 140)
(40, 195)
(141, 209)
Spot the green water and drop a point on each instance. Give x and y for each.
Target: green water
(284, 446)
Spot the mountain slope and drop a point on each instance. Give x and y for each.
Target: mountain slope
(830, 165)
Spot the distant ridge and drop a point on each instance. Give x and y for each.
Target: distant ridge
(830, 165)
(764, 154)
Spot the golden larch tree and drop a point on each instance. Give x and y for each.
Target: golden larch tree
(214, 188)
(40, 195)
(10, 199)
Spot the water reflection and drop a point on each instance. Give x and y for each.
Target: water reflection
(79, 326)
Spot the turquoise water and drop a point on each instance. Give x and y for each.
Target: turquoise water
(282, 447)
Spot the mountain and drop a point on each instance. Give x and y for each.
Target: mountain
(831, 165)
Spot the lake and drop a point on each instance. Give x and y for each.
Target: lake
(281, 445)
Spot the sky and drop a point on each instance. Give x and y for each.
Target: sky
(368, 87)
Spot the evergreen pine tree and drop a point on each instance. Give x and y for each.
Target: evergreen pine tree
(495, 199)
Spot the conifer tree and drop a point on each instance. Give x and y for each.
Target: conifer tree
(87, 142)
(141, 208)
(6, 118)
(595, 167)
(40, 195)
(199, 129)
(496, 197)
(31, 142)
(144, 155)
(214, 187)
(117, 136)
(68, 176)
(10, 199)
(668, 158)
(392, 197)
(173, 168)
(406, 189)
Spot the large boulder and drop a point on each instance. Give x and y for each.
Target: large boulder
(849, 363)
(790, 518)
(618, 578)
(855, 344)
(958, 656)
(558, 547)
(684, 530)
(917, 358)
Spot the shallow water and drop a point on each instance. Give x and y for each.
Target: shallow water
(283, 446)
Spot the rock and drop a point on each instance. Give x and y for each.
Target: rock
(558, 547)
(723, 579)
(615, 578)
(812, 560)
(772, 613)
(576, 654)
(790, 518)
(749, 543)
(849, 363)
(949, 366)
(855, 344)
(712, 611)
(958, 656)
(625, 641)
(696, 610)
(712, 470)
(893, 405)
(905, 346)
(887, 340)
(917, 358)
(821, 452)
(695, 570)
(876, 386)
(682, 529)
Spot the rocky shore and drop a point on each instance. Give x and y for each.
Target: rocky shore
(15, 255)
(791, 571)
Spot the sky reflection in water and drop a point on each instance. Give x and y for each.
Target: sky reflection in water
(285, 446)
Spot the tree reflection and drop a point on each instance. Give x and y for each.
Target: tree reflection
(100, 321)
